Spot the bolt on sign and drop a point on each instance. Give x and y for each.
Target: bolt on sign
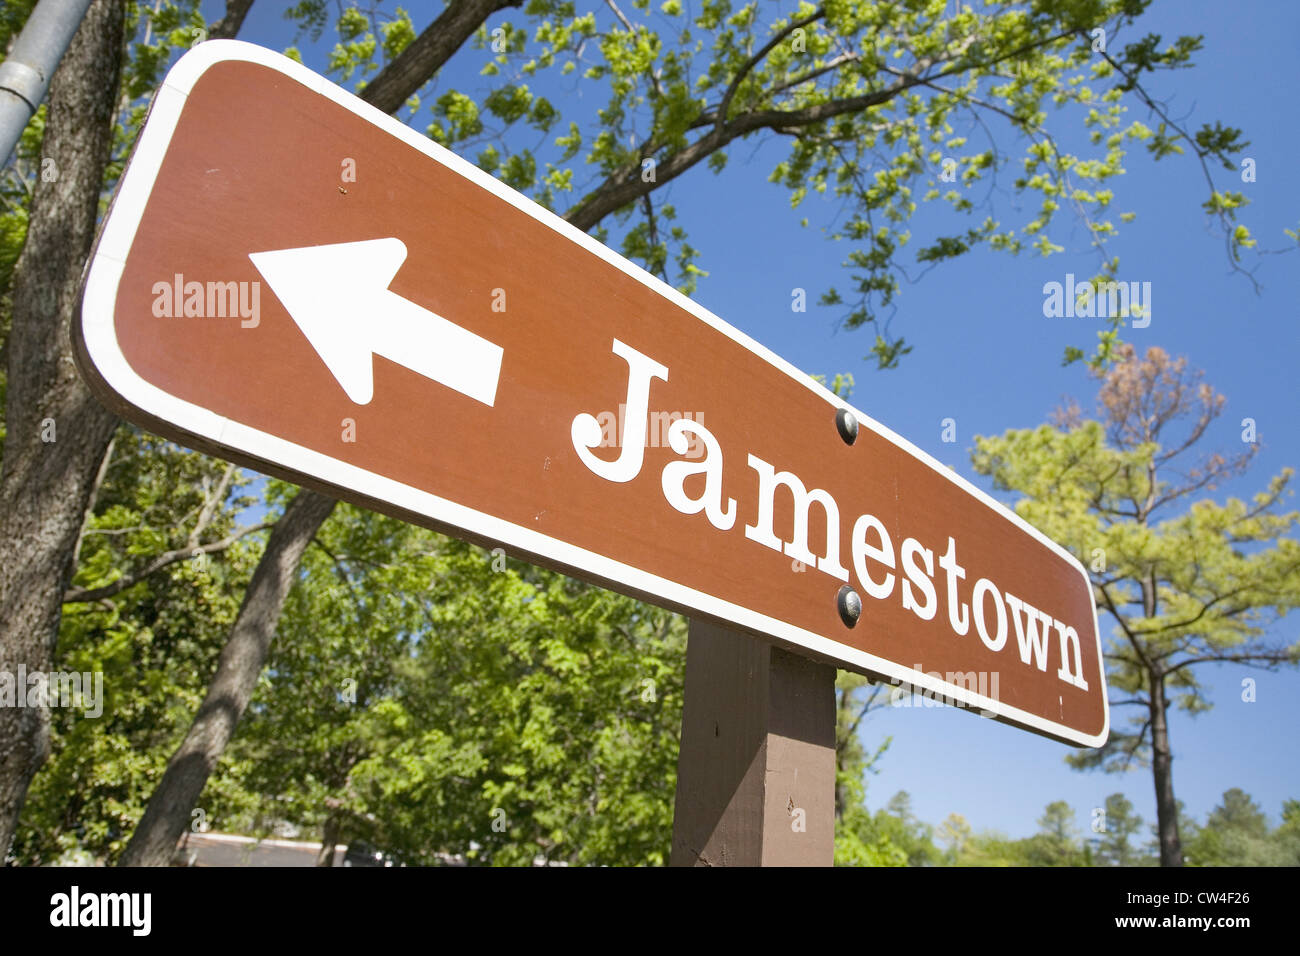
(293, 280)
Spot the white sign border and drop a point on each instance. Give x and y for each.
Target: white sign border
(98, 338)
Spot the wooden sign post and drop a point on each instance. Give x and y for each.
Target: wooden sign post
(756, 772)
(304, 285)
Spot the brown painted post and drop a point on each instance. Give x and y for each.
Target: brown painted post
(756, 773)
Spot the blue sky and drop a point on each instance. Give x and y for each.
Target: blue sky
(984, 354)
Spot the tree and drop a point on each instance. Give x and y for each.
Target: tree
(889, 88)
(990, 848)
(851, 87)
(355, 615)
(859, 841)
(1238, 812)
(559, 724)
(956, 833)
(55, 432)
(152, 638)
(1121, 823)
(431, 698)
(855, 698)
(1057, 841)
(898, 824)
(1185, 583)
(1236, 833)
(168, 812)
(1288, 834)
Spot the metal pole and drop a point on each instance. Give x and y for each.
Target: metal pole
(25, 75)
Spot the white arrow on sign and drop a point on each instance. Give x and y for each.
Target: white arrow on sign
(338, 296)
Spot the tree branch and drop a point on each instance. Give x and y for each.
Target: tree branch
(1263, 660)
(228, 26)
(90, 500)
(415, 65)
(210, 506)
(622, 186)
(79, 595)
(1201, 154)
(748, 66)
(1123, 624)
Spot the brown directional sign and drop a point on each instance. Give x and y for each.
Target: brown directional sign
(293, 280)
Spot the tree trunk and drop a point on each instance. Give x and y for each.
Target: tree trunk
(329, 837)
(1171, 849)
(56, 433)
(231, 687)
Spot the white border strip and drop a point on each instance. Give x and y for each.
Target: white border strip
(99, 334)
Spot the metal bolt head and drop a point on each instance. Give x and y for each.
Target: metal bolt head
(850, 605)
(847, 425)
